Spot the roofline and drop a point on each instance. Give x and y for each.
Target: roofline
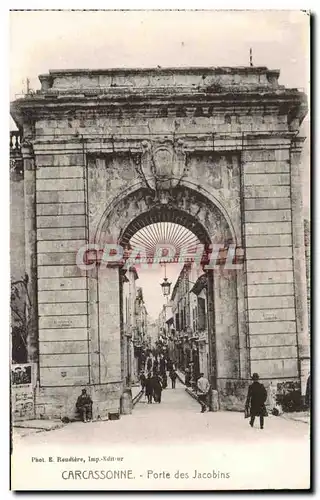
(159, 69)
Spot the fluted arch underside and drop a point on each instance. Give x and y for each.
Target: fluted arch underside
(161, 217)
(184, 207)
(162, 234)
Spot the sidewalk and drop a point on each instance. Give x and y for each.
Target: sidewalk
(181, 377)
(38, 425)
(26, 427)
(41, 425)
(298, 416)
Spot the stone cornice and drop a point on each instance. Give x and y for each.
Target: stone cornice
(211, 143)
(217, 70)
(169, 78)
(159, 96)
(297, 144)
(159, 103)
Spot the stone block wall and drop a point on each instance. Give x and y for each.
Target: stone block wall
(269, 263)
(76, 348)
(62, 287)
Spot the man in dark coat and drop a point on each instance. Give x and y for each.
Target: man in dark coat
(173, 375)
(157, 388)
(187, 379)
(164, 380)
(169, 365)
(156, 364)
(149, 388)
(84, 406)
(257, 396)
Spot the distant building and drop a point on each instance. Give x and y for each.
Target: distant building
(164, 322)
(129, 323)
(189, 332)
(135, 326)
(140, 340)
(153, 331)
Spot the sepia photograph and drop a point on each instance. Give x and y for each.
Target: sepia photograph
(160, 250)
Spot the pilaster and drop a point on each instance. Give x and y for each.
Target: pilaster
(299, 263)
(31, 249)
(270, 274)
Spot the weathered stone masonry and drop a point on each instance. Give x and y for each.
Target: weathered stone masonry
(215, 149)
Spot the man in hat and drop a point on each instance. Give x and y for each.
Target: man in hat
(84, 406)
(149, 388)
(256, 399)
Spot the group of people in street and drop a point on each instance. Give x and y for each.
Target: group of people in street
(153, 385)
(255, 405)
(154, 378)
(255, 401)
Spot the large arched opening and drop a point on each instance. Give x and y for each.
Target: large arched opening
(194, 219)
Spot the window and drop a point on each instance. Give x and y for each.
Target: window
(202, 317)
(177, 322)
(194, 318)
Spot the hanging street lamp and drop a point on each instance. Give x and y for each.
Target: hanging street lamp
(166, 285)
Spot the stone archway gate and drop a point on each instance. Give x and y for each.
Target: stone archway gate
(99, 147)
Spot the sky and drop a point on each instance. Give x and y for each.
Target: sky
(43, 40)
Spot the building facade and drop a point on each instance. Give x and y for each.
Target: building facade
(153, 330)
(141, 333)
(129, 327)
(107, 152)
(189, 339)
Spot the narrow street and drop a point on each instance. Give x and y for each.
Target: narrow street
(177, 419)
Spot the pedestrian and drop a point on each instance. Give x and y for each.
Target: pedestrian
(187, 379)
(169, 365)
(155, 364)
(143, 381)
(162, 364)
(173, 375)
(84, 406)
(157, 388)
(203, 387)
(257, 396)
(149, 388)
(149, 363)
(164, 380)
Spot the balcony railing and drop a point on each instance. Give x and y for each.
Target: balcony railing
(15, 141)
(16, 163)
